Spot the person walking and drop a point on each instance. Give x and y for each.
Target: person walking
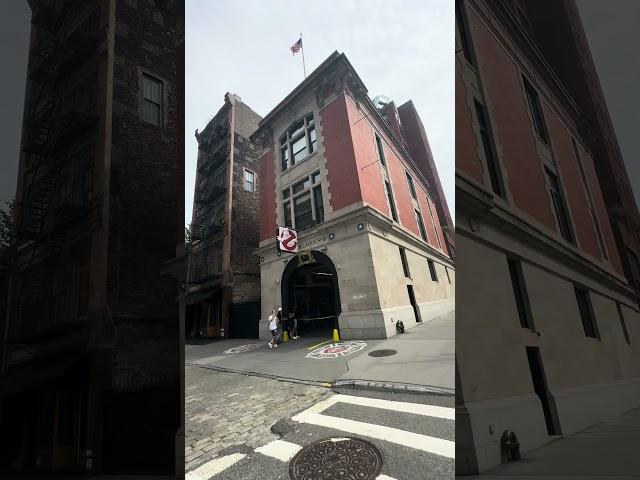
(279, 331)
(273, 328)
(293, 325)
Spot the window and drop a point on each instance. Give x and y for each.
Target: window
(303, 211)
(317, 200)
(432, 270)
(287, 215)
(433, 224)
(392, 205)
(520, 293)
(298, 142)
(623, 324)
(487, 145)
(536, 111)
(423, 232)
(562, 218)
(380, 150)
(446, 270)
(586, 312)
(464, 33)
(405, 265)
(249, 180)
(412, 187)
(303, 205)
(585, 184)
(152, 103)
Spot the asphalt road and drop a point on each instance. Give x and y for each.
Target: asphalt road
(414, 434)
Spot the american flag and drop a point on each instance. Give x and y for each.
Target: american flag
(296, 46)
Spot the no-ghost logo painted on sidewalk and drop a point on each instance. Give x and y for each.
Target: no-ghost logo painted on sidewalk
(336, 350)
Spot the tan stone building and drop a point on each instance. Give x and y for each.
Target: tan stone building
(547, 334)
(371, 246)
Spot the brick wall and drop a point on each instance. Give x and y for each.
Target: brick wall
(245, 209)
(144, 199)
(267, 187)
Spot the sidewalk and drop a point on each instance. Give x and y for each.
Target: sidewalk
(425, 357)
(608, 450)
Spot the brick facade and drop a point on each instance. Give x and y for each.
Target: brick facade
(224, 290)
(107, 319)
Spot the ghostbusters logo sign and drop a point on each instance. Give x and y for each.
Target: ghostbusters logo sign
(287, 240)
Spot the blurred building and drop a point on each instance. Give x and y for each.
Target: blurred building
(547, 335)
(90, 354)
(351, 179)
(223, 298)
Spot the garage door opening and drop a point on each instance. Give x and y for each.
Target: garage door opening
(310, 289)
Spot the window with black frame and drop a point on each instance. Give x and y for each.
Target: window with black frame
(298, 142)
(302, 203)
(423, 231)
(152, 103)
(559, 206)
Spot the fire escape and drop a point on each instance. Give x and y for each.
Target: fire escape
(209, 216)
(55, 190)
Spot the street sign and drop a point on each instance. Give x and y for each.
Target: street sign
(287, 240)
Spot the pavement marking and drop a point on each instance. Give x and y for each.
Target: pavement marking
(337, 350)
(417, 441)
(280, 449)
(384, 477)
(314, 346)
(404, 407)
(215, 466)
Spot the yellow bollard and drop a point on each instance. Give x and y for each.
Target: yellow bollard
(336, 337)
(285, 336)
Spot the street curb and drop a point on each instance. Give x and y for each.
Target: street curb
(314, 383)
(393, 387)
(355, 384)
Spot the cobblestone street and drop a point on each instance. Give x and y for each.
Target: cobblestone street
(225, 409)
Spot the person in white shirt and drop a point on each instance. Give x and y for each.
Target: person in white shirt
(273, 328)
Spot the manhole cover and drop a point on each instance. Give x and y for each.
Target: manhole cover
(337, 458)
(382, 353)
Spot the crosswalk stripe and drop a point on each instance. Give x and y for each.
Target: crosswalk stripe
(404, 407)
(215, 466)
(280, 449)
(438, 446)
(384, 477)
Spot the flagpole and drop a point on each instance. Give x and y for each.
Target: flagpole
(302, 48)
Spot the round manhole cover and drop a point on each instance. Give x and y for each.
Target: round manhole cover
(337, 458)
(382, 353)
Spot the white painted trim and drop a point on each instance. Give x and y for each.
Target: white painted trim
(437, 446)
(279, 449)
(214, 467)
(404, 407)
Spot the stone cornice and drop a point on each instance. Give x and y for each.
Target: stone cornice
(373, 218)
(473, 199)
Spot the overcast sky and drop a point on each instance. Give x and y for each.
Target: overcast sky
(613, 39)
(402, 49)
(14, 46)
(404, 52)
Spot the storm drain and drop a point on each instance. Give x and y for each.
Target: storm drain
(337, 458)
(382, 353)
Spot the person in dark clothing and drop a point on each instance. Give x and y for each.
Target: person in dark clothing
(293, 325)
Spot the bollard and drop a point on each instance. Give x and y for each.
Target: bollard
(336, 336)
(285, 336)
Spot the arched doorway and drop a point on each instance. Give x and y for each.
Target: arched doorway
(310, 288)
